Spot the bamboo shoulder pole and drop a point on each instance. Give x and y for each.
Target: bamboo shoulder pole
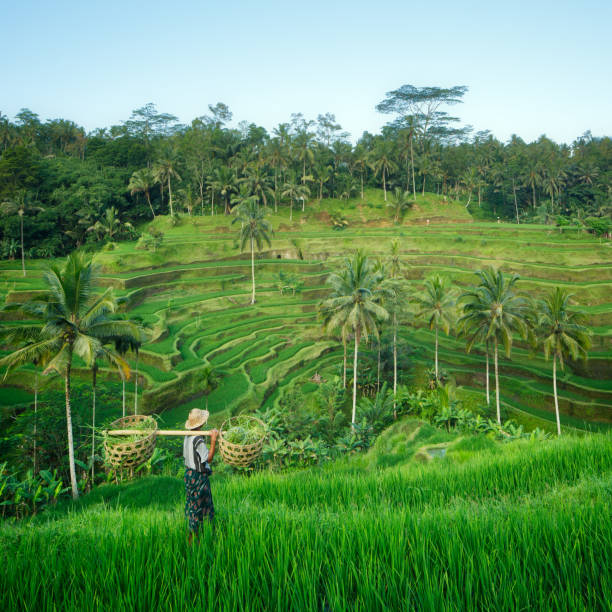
(160, 432)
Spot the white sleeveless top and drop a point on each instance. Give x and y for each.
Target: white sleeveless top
(195, 453)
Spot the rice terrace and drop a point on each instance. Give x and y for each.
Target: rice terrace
(396, 354)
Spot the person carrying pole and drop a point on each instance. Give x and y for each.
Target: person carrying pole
(199, 501)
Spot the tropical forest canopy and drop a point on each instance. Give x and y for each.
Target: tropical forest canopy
(75, 188)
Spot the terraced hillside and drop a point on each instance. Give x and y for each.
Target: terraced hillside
(193, 295)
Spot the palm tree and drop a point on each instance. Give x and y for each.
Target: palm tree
(469, 179)
(277, 156)
(254, 229)
(163, 172)
(505, 312)
(400, 203)
(407, 136)
(354, 306)
(533, 179)
(554, 179)
(429, 166)
(304, 152)
(295, 191)
(396, 290)
(562, 334)
(187, 199)
(72, 320)
(360, 162)
(244, 196)
(142, 181)
(437, 307)
(474, 325)
(259, 184)
(110, 225)
(325, 314)
(382, 162)
(225, 183)
(19, 205)
(323, 174)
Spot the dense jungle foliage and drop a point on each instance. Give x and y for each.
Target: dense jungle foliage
(69, 187)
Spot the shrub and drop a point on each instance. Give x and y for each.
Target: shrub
(26, 497)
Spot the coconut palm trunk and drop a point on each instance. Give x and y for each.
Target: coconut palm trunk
(22, 251)
(253, 270)
(384, 184)
(344, 364)
(275, 190)
(136, 387)
(73, 478)
(123, 394)
(412, 167)
(354, 414)
(487, 384)
(556, 396)
(515, 201)
(436, 357)
(150, 205)
(93, 422)
(378, 370)
(35, 419)
(496, 383)
(170, 196)
(394, 365)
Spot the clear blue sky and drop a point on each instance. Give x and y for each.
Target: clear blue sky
(532, 67)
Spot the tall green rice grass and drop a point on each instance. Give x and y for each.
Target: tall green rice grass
(522, 527)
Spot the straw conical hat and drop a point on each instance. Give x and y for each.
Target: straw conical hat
(196, 419)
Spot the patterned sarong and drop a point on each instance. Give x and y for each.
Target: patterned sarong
(199, 501)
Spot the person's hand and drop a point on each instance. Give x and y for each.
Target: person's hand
(214, 434)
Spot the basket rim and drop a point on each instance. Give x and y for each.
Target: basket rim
(120, 447)
(253, 445)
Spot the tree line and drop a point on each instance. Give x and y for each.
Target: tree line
(57, 181)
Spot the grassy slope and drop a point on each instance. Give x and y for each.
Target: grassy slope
(194, 293)
(517, 526)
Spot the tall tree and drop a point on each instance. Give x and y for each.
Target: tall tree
(225, 183)
(424, 104)
(360, 162)
(396, 297)
(295, 191)
(382, 162)
(72, 320)
(436, 306)
(474, 325)
(164, 171)
(505, 311)
(254, 230)
(259, 183)
(562, 334)
(142, 181)
(19, 205)
(355, 305)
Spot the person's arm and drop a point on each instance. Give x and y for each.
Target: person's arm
(213, 440)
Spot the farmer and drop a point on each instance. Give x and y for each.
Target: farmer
(199, 501)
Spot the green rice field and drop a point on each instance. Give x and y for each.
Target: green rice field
(490, 527)
(193, 296)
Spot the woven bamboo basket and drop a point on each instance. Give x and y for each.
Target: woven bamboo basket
(129, 455)
(239, 455)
